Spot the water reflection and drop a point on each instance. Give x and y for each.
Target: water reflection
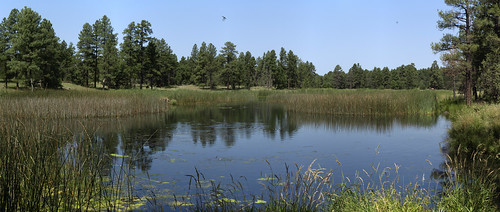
(142, 136)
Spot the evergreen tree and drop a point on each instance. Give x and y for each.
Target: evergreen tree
(107, 52)
(192, 63)
(87, 51)
(167, 63)
(453, 67)
(279, 76)
(488, 38)
(34, 38)
(436, 77)
(461, 18)
(339, 78)
(129, 55)
(291, 70)
(230, 75)
(355, 76)
(141, 38)
(49, 56)
(151, 67)
(202, 63)
(7, 33)
(386, 78)
(307, 73)
(249, 71)
(269, 66)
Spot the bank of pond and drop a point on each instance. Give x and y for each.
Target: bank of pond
(247, 150)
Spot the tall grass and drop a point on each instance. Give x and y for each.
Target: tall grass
(46, 168)
(299, 190)
(78, 104)
(470, 183)
(476, 128)
(357, 102)
(114, 103)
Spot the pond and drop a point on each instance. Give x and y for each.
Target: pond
(252, 142)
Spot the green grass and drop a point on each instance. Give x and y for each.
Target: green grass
(357, 102)
(45, 166)
(80, 102)
(476, 128)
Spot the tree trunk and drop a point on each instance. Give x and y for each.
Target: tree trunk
(87, 77)
(468, 58)
(468, 87)
(454, 86)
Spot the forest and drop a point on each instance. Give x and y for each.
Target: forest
(31, 55)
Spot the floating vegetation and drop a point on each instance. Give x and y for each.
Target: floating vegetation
(179, 204)
(267, 178)
(118, 156)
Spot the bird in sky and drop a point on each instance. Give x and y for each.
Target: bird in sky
(224, 18)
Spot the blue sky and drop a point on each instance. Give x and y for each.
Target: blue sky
(326, 32)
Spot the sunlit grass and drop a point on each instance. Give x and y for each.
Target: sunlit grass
(357, 102)
(47, 168)
(75, 101)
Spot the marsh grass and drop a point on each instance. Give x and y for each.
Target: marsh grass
(85, 102)
(357, 102)
(470, 183)
(78, 104)
(476, 128)
(464, 186)
(208, 195)
(46, 168)
(311, 189)
(299, 190)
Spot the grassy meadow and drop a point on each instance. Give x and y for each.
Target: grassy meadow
(46, 167)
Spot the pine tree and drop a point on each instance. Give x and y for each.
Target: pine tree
(291, 72)
(49, 56)
(279, 75)
(25, 46)
(107, 51)
(142, 37)
(86, 50)
(128, 54)
(7, 33)
(229, 75)
(461, 17)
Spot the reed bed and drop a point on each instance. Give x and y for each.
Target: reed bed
(476, 128)
(471, 182)
(207, 97)
(357, 102)
(78, 104)
(46, 168)
(118, 103)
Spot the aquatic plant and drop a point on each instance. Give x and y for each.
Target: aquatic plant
(357, 102)
(45, 167)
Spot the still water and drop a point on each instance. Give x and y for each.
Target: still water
(240, 141)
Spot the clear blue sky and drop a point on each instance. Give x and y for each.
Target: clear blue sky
(326, 32)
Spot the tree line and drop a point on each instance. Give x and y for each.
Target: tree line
(31, 53)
